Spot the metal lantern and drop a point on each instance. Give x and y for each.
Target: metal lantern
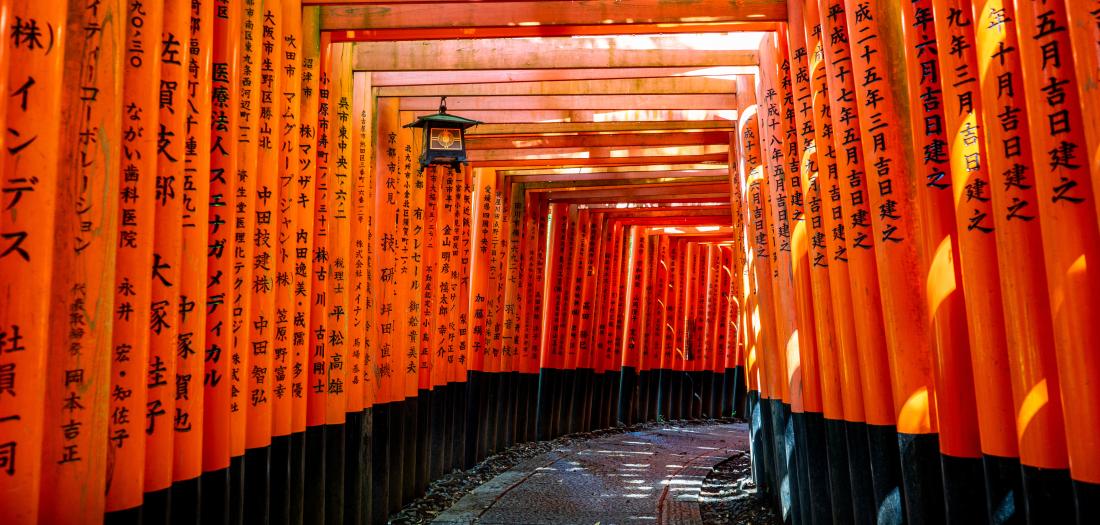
(444, 138)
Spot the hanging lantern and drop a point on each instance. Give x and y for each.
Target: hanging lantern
(444, 138)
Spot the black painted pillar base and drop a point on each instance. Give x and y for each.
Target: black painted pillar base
(412, 433)
(1004, 490)
(740, 392)
(837, 462)
(458, 422)
(437, 436)
(817, 467)
(544, 405)
(380, 465)
(236, 490)
(963, 490)
(792, 443)
(131, 516)
(756, 443)
(214, 501)
(1088, 501)
(587, 379)
(366, 471)
(353, 465)
(334, 474)
(628, 384)
(423, 441)
(858, 434)
(475, 420)
(280, 480)
(257, 486)
(395, 452)
(313, 500)
(1048, 495)
(297, 477)
(186, 501)
(922, 478)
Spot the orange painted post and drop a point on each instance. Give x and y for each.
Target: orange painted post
(188, 418)
(225, 68)
(341, 397)
(1039, 427)
(512, 250)
(288, 358)
(801, 163)
(628, 332)
(431, 376)
(262, 320)
(27, 220)
(133, 280)
(772, 97)
(974, 216)
(461, 251)
(361, 338)
(859, 244)
(841, 391)
(1070, 235)
(77, 371)
(480, 371)
(1083, 21)
(244, 231)
(412, 236)
(934, 144)
(384, 245)
(283, 219)
(316, 55)
(164, 321)
(299, 123)
(763, 343)
(891, 179)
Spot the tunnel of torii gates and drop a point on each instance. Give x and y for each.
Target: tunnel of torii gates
(229, 294)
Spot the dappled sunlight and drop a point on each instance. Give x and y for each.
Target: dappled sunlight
(914, 417)
(1034, 401)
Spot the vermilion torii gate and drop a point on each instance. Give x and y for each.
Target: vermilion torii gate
(229, 294)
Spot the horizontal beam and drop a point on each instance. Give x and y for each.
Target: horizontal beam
(592, 153)
(599, 141)
(532, 13)
(570, 102)
(616, 183)
(638, 86)
(557, 115)
(716, 158)
(623, 175)
(480, 76)
(709, 198)
(539, 128)
(650, 167)
(722, 49)
(542, 31)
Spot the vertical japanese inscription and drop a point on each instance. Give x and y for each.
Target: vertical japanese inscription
(133, 280)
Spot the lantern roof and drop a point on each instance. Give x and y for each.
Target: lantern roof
(442, 118)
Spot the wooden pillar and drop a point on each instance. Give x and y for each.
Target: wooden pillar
(188, 421)
(244, 228)
(224, 106)
(133, 280)
(26, 247)
(81, 313)
(1040, 430)
(965, 126)
(1070, 234)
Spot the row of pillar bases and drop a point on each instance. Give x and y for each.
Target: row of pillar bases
(817, 470)
(381, 459)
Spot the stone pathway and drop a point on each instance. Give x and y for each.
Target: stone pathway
(649, 477)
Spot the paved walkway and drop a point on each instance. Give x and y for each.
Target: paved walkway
(650, 477)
